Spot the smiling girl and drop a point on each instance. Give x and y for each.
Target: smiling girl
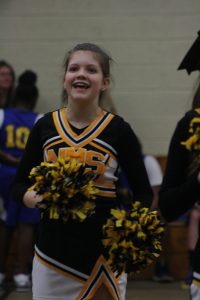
(70, 260)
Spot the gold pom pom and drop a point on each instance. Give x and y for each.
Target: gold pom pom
(132, 238)
(67, 189)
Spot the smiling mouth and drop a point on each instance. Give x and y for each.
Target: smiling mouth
(81, 85)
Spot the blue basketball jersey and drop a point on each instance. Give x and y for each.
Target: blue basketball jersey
(15, 127)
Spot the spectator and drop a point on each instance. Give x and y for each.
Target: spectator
(15, 125)
(7, 81)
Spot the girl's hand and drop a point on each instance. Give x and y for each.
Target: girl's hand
(30, 199)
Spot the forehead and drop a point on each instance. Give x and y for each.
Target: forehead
(5, 70)
(84, 56)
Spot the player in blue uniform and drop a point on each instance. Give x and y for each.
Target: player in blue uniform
(15, 125)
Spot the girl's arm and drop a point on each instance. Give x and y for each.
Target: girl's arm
(131, 162)
(179, 190)
(9, 159)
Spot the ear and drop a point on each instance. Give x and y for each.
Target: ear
(105, 84)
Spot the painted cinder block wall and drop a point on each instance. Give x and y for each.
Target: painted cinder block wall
(146, 38)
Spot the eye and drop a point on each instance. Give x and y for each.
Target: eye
(72, 68)
(92, 69)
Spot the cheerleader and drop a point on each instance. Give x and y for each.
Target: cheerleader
(180, 191)
(70, 260)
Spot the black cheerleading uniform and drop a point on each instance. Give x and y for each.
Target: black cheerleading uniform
(73, 247)
(180, 188)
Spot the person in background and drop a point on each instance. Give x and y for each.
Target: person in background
(193, 216)
(68, 254)
(16, 123)
(180, 190)
(7, 82)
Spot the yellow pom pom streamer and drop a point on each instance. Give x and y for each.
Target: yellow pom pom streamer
(132, 238)
(193, 142)
(67, 189)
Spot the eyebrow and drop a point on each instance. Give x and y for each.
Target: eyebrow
(71, 64)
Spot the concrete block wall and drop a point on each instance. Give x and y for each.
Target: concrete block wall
(146, 38)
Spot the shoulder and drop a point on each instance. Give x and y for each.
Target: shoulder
(116, 122)
(118, 118)
(189, 115)
(43, 119)
(184, 123)
(121, 123)
(45, 116)
(126, 136)
(38, 116)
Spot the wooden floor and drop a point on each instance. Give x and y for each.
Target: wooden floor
(137, 290)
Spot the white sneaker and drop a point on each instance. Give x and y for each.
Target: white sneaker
(22, 280)
(2, 277)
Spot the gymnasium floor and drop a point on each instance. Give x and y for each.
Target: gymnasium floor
(137, 290)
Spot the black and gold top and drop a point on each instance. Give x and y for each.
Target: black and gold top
(180, 188)
(103, 145)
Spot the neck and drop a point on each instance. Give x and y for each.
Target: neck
(22, 107)
(82, 116)
(3, 97)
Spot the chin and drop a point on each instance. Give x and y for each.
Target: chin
(81, 99)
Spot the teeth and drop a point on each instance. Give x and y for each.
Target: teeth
(81, 84)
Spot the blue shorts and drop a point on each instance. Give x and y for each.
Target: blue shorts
(7, 175)
(14, 212)
(18, 213)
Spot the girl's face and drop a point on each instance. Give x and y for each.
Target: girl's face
(6, 78)
(84, 80)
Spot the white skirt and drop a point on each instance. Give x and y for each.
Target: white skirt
(51, 284)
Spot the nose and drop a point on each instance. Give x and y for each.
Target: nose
(81, 72)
